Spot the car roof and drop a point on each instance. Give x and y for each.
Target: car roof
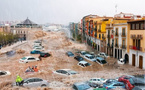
(79, 83)
(28, 56)
(96, 78)
(83, 51)
(32, 78)
(140, 87)
(88, 55)
(65, 69)
(100, 58)
(83, 62)
(116, 82)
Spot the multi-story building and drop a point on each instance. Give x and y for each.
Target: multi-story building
(22, 29)
(101, 33)
(136, 43)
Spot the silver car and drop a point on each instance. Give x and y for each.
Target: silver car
(34, 82)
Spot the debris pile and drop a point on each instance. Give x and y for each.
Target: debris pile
(20, 51)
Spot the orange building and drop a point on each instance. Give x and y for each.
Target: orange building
(136, 43)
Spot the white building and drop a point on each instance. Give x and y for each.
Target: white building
(120, 41)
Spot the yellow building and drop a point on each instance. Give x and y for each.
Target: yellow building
(136, 43)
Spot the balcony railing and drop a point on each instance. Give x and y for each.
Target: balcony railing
(123, 47)
(135, 48)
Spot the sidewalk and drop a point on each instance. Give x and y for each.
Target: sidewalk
(9, 48)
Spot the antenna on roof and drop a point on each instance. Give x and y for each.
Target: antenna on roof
(116, 8)
(27, 17)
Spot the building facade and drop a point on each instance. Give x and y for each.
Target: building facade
(136, 43)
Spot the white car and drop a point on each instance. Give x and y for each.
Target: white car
(84, 64)
(4, 73)
(103, 55)
(38, 48)
(90, 57)
(28, 59)
(34, 82)
(65, 72)
(98, 81)
(121, 61)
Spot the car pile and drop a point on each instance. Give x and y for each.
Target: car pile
(89, 56)
(128, 82)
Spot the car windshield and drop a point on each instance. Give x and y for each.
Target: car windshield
(106, 54)
(71, 54)
(140, 76)
(72, 72)
(80, 58)
(91, 57)
(131, 81)
(102, 79)
(87, 64)
(83, 87)
(103, 61)
(23, 58)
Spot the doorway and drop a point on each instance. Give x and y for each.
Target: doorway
(133, 59)
(140, 62)
(126, 58)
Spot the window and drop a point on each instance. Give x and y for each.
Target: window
(59, 71)
(98, 60)
(64, 72)
(138, 43)
(133, 26)
(133, 42)
(31, 80)
(116, 41)
(141, 26)
(98, 79)
(99, 35)
(123, 42)
(31, 58)
(116, 31)
(123, 31)
(74, 87)
(108, 32)
(137, 26)
(102, 35)
(94, 80)
(38, 80)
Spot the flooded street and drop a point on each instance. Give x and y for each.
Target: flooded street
(57, 44)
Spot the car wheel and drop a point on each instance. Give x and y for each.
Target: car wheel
(43, 85)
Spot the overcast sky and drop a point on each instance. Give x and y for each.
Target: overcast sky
(65, 11)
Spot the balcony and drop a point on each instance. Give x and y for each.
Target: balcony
(123, 47)
(123, 35)
(135, 48)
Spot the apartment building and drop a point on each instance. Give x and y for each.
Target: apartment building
(136, 43)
